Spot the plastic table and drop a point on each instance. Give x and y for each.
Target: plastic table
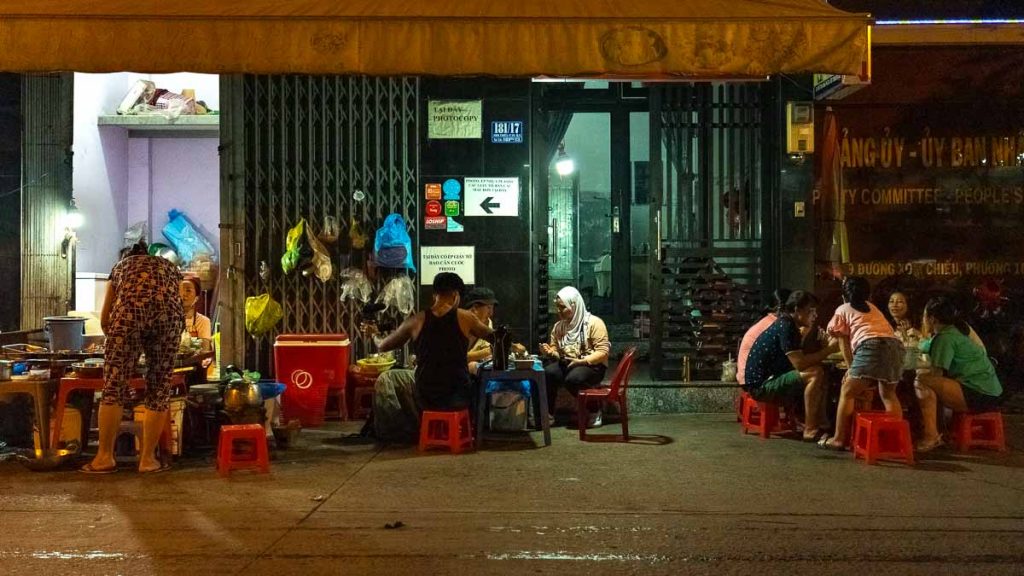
(538, 393)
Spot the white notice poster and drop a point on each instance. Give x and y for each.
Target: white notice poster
(457, 259)
(492, 196)
(448, 119)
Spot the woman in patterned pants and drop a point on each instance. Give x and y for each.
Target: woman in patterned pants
(142, 312)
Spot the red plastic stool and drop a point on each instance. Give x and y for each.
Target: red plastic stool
(982, 430)
(336, 400)
(762, 417)
(740, 402)
(362, 402)
(446, 429)
(228, 458)
(879, 435)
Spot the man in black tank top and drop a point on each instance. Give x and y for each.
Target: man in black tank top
(441, 336)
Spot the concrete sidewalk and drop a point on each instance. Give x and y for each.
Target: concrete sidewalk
(688, 495)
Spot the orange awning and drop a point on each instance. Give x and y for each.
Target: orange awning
(516, 38)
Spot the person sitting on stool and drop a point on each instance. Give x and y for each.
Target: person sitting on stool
(441, 335)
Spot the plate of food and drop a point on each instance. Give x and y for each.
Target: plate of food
(376, 363)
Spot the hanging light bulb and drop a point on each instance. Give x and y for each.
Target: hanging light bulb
(73, 218)
(565, 165)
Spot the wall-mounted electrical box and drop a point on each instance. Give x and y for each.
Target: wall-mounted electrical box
(799, 127)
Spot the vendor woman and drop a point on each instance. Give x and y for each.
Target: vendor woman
(196, 325)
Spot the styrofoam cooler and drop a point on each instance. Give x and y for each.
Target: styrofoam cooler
(309, 364)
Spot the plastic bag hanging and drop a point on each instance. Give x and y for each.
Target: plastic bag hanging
(329, 234)
(262, 313)
(398, 294)
(356, 235)
(296, 248)
(321, 260)
(355, 285)
(392, 247)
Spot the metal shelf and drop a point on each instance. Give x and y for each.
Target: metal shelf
(190, 126)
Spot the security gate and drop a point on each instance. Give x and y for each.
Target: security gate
(312, 147)
(708, 190)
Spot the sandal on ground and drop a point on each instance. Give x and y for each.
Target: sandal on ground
(928, 445)
(90, 469)
(162, 468)
(816, 437)
(829, 443)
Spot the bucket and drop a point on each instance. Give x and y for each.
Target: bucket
(64, 332)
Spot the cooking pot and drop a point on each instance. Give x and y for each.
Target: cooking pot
(240, 394)
(205, 395)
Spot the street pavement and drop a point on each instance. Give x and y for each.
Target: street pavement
(689, 495)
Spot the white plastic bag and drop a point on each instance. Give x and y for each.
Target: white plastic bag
(508, 411)
(355, 285)
(134, 233)
(398, 294)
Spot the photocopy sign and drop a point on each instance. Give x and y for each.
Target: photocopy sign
(449, 119)
(457, 259)
(492, 196)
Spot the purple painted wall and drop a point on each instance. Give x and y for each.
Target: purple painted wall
(119, 180)
(186, 176)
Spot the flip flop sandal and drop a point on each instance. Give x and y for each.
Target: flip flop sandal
(826, 444)
(816, 437)
(88, 469)
(162, 468)
(929, 446)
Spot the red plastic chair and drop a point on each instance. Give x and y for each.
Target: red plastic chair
(616, 393)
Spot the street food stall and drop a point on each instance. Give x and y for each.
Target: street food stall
(57, 378)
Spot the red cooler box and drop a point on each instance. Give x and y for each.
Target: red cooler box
(309, 364)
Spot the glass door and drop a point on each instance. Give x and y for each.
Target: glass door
(591, 198)
(579, 212)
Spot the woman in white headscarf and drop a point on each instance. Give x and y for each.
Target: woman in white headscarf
(578, 349)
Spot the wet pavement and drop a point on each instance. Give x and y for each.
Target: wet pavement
(689, 495)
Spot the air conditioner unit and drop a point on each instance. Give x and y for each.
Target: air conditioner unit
(799, 127)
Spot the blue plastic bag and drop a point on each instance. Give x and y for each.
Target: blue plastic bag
(523, 387)
(392, 247)
(187, 241)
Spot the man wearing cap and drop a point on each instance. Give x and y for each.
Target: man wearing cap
(480, 301)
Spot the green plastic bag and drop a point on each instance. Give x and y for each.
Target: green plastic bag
(294, 247)
(262, 313)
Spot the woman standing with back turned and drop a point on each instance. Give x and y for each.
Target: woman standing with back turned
(142, 312)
